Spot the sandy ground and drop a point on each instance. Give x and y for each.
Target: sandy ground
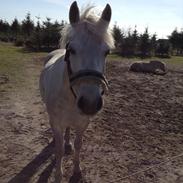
(137, 138)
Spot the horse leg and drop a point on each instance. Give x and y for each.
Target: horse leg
(59, 152)
(76, 161)
(67, 145)
(75, 178)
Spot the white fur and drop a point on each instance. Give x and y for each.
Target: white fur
(90, 41)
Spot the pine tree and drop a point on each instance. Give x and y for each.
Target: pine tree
(47, 32)
(127, 45)
(118, 35)
(15, 29)
(176, 39)
(36, 38)
(163, 48)
(27, 26)
(4, 30)
(153, 43)
(145, 44)
(134, 40)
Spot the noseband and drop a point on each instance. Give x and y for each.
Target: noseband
(84, 75)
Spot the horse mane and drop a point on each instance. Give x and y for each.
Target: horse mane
(90, 19)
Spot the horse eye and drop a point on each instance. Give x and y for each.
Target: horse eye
(72, 51)
(107, 52)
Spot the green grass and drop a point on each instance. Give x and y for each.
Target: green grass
(13, 62)
(175, 60)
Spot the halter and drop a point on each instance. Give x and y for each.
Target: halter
(84, 75)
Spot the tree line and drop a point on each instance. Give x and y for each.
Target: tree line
(45, 35)
(42, 35)
(132, 43)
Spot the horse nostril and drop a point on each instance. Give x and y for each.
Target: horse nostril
(81, 103)
(89, 107)
(99, 103)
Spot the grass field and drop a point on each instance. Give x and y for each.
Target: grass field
(13, 61)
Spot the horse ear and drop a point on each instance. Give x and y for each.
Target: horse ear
(106, 14)
(74, 13)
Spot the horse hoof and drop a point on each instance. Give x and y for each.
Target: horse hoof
(76, 178)
(68, 149)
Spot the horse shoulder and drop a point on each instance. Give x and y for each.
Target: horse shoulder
(52, 78)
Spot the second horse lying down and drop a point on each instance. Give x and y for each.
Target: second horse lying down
(154, 67)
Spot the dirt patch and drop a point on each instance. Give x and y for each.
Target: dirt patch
(137, 138)
(4, 79)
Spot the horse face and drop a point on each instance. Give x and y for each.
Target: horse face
(88, 51)
(84, 56)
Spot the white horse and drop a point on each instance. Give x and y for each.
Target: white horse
(72, 82)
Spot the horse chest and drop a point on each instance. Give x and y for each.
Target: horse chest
(68, 114)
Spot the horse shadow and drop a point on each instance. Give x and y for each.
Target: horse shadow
(31, 168)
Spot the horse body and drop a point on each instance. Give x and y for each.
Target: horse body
(63, 113)
(72, 81)
(56, 94)
(158, 65)
(154, 66)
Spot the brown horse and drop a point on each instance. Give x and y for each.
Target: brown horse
(154, 66)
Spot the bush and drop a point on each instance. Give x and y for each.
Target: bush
(3, 37)
(163, 48)
(19, 41)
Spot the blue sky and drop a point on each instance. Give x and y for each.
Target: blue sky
(160, 16)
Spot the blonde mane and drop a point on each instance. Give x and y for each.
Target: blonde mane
(93, 25)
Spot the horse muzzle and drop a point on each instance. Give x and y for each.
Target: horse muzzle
(91, 86)
(90, 107)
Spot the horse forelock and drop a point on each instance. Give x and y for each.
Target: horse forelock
(91, 24)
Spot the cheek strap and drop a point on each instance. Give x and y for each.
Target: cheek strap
(84, 75)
